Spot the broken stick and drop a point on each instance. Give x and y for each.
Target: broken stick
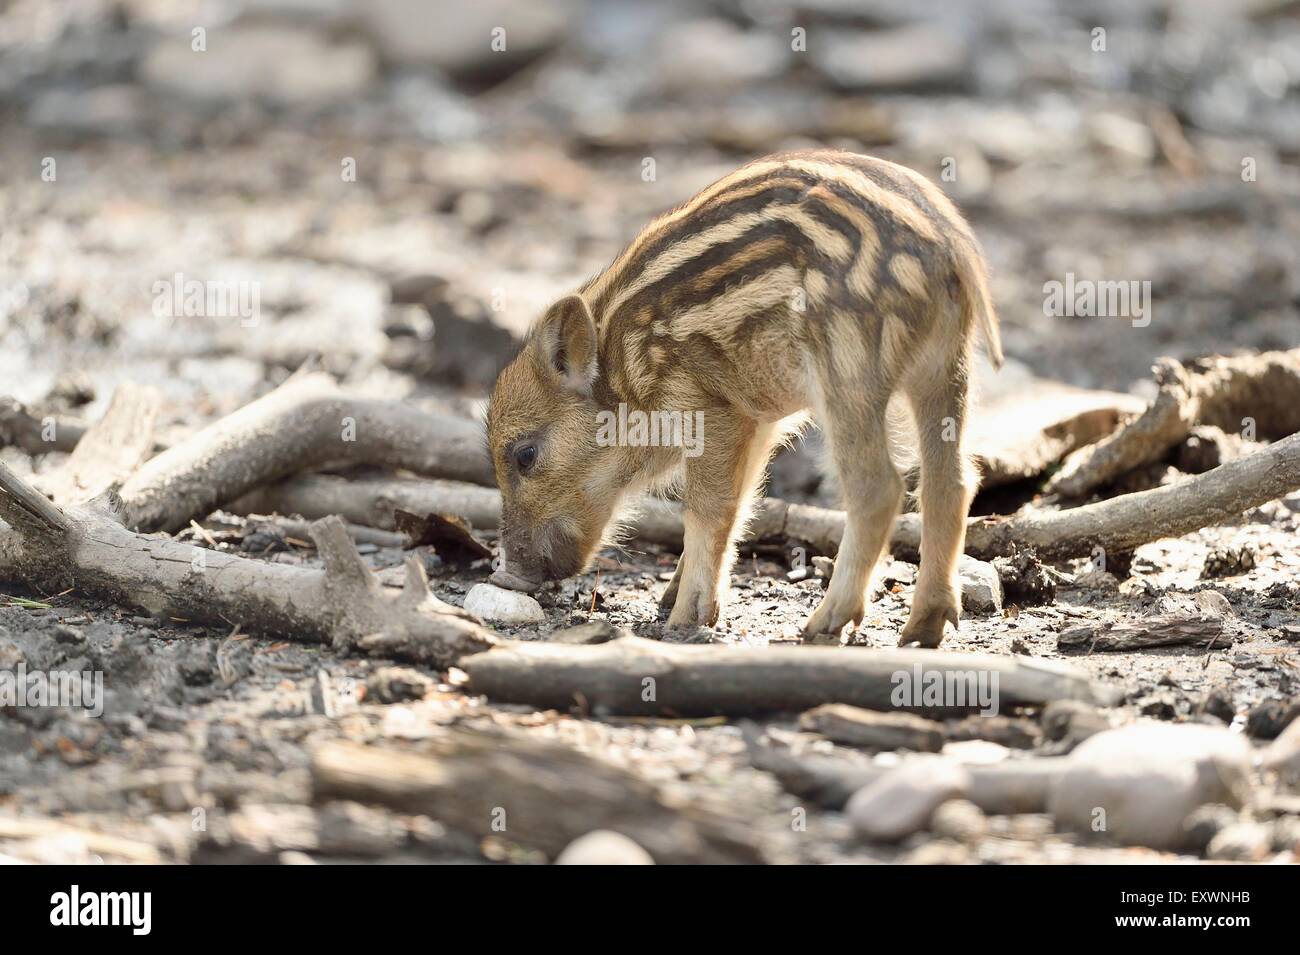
(110, 451)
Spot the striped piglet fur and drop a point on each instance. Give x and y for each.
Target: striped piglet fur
(817, 281)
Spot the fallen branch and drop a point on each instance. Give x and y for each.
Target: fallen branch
(1116, 525)
(641, 677)
(307, 422)
(372, 501)
(1223, 392)
(49, 548)
(536, 794)
(1163, 630)
(360, 533)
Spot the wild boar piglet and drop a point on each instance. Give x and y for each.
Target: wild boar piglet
(816, 281)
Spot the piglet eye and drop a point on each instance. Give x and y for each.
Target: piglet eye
(525, 457)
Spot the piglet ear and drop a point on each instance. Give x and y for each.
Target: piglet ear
(564, 344)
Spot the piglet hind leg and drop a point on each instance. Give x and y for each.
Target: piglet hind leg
(873, 491)
(948, 482)
(717, 498)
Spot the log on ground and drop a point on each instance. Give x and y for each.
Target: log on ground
(639, 677)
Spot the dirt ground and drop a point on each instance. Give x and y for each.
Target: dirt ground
(475, 201)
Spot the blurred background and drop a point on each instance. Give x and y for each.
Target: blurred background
(406, 184)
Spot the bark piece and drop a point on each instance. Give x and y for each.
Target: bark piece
(534, 793)
(1012, 732)
(451, 537)
(1162, 630)
(1224, 392)
(858, 727)
(634, 676)
(306, 422)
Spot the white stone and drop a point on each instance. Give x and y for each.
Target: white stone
(1136, 785)
(960, 820)
(604, 847)
(902, 801)
(981, 587)
(498, 605)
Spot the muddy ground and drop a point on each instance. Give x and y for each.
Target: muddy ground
(481, 191)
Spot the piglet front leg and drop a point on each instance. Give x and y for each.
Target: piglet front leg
(718, 494)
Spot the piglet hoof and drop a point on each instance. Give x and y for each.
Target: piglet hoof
(702, 611)
(925, 627)
(829, 620)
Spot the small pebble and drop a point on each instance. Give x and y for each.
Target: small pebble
(498, 605)
(604, 847)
